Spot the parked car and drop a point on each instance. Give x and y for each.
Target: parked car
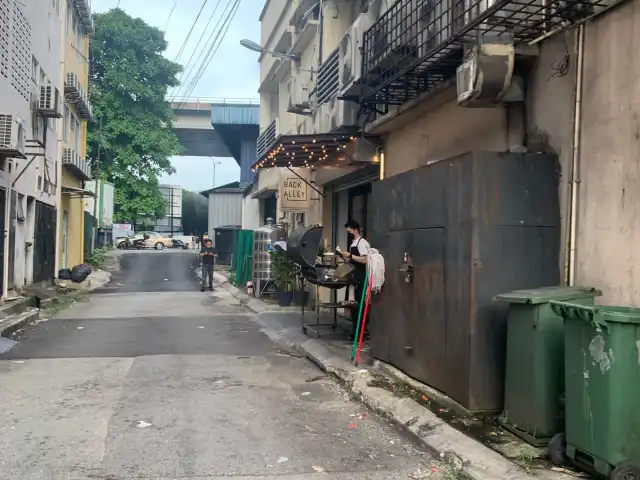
(153, 240)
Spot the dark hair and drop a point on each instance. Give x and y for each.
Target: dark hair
(208, 240)
(352, 224)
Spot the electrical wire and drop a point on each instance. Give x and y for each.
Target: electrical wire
(186, 40)
(188, 87)
(213, 47)
(193, 52)
(175, 2)
(211, 44)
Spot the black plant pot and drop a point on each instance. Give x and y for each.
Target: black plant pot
(301, 298)
(285, 298)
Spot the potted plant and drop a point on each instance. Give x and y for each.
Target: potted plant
(284, 277)
(300, 296)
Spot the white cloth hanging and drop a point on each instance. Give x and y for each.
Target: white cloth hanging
(375, 267)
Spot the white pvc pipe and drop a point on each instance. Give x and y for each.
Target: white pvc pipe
(575, 162)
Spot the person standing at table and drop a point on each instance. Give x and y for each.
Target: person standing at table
(357, 256)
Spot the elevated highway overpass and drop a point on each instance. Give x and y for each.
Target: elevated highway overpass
(218, 127)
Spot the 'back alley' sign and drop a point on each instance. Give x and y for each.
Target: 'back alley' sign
(293, 190)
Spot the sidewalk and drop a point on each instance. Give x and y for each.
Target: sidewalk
(380, 387)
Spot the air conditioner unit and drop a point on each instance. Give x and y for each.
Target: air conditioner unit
(396, 40)
(434, 19)
(527, 14)
(343, 114)
(298, 91)
(322, 118)
(69, 156)
(12, 136)
(350, 52)
(486, 78)
(49, 102)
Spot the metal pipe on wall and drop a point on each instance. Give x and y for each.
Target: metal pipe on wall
(570, 265)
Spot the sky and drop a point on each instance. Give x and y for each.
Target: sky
(218, 80)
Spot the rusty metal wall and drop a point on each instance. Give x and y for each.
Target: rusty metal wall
(475, 226)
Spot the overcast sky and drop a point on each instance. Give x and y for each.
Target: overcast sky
(232, 73)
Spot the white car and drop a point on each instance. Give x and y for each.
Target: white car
(155, 240)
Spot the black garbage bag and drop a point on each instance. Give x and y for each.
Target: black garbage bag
(79, 273)
(64, 274)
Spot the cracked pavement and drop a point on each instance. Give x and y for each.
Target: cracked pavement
(152, 379)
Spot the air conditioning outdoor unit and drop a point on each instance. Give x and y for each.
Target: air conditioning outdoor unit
(486, 78)
(434, 19)
(350, 52)
(342, 114)
(528, 14)
(396, 40)
(12, 136)
(322, 119)
(298, 96)
(49, 102)
(69, 156)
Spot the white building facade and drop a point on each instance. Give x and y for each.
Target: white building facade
(308, 131)
(30, 127)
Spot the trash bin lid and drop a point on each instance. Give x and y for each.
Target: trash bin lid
(546, 294)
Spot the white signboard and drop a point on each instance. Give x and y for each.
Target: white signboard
(293, 190)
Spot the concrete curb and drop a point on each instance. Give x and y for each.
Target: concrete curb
(12, 323)
(469, 458)
(15, 322)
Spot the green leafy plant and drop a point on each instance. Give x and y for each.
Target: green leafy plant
(98, 257)
(285, 271)
(131, 139)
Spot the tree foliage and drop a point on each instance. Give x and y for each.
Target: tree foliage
(131, 139)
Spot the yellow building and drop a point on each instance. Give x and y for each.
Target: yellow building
(74, 168)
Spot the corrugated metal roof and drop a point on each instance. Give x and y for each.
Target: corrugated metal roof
(225, 114)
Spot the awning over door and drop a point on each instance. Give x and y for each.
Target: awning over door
(321, 149)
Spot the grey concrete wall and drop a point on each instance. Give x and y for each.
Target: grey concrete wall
(45, 48)
(608, 230)
(608, 248)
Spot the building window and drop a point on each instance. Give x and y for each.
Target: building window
(34, 69)
(72, 127)
(65, 126)
(76, 139)
(68, 22)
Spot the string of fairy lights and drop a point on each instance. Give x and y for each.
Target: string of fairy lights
(306, 152)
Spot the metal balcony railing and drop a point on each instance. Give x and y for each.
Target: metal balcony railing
(79, 166)
(83, 7)
(328, 79)
(267, 139)
(417, 45)
(76, 96)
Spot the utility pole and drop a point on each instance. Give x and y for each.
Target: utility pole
(214, 172)
(171, 209)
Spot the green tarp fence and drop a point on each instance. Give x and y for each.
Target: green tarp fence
(242, 260)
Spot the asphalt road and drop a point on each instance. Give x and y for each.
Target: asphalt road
(152, 379)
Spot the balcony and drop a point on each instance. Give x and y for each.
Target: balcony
(76, 96)
(415, 47)
(267, 139)
(83, 7)
(328, 79)
(75, 163)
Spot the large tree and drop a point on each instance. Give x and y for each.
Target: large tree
(131, 139)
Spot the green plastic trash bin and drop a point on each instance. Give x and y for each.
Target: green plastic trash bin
(534, 381)
(602, 378)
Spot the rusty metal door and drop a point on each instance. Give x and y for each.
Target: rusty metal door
(409, 318)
